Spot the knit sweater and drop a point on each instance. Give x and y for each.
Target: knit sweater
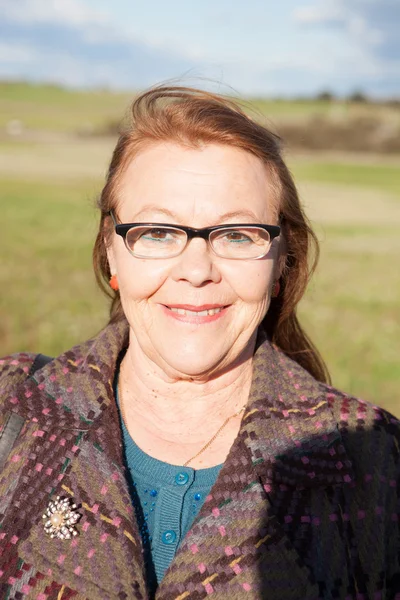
(166, 499)
(305, 507)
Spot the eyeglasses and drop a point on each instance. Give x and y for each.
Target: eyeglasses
(162, 240)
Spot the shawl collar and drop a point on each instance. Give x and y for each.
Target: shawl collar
(74, 389)
(289, 428)
(69, 409)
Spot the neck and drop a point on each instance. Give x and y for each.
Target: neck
(168, 412)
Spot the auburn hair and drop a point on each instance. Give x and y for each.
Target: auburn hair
(193, 118)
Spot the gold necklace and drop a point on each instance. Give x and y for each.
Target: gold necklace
(207, 445)
(236, 414)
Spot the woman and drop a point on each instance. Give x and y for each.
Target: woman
(193, 447)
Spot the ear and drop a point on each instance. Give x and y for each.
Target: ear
(280, 265)
(280, 256)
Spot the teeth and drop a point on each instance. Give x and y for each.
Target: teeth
(201, 313)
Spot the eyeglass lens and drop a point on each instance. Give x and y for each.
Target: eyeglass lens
(165, 242)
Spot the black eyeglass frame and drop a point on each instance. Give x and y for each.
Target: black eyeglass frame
(191, 232)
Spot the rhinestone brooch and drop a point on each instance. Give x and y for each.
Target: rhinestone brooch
(61, 517)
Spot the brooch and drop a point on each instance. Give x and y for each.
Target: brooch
(61, 518)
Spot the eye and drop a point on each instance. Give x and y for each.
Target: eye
(236, 237)
(158, 234)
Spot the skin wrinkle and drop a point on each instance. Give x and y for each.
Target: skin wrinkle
(182, 380)
(179, 420)
(153, 210)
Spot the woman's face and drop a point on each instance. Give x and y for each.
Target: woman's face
(214, 185)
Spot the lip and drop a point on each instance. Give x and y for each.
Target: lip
(196, 307)
(195, 319)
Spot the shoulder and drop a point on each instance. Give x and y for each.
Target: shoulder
(352, 412)
(370, 434)
(14, 369)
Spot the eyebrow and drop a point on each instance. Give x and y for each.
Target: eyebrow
(237, 214)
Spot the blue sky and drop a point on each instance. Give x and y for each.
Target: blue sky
(258, 47)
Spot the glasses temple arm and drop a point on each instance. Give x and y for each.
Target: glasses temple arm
(111, 214)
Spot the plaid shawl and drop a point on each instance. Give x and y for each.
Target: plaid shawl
(306, 505)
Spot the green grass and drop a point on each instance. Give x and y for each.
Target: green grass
(378, 176)
(352, 311)
(57, 109)
(49, 298)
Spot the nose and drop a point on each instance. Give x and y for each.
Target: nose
(196, 264)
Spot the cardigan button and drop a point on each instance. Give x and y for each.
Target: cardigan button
(169, 537)
(181, 478)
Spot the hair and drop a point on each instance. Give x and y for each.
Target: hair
(193, 118)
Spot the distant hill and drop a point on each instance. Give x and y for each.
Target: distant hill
(322, 123)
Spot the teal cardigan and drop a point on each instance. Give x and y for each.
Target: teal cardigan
(166, 499)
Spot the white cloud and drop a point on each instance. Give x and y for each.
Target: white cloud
(317, 15)
(96, 26)
(20, 53)
(66, 42)
(71, 12)
(373, 24)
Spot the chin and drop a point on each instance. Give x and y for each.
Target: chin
(197, 364)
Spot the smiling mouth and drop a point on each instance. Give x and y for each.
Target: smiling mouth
(204, 312)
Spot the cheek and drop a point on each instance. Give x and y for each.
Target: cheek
(140, 279)
(253, 283)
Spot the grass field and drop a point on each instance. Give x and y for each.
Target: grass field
(352, 309)
(51, 108)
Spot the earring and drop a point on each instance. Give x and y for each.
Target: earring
(276, 289)
(114, 283)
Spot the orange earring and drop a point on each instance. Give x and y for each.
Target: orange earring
(114, 283)
(276, 289)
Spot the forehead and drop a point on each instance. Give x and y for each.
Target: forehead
(214, 179)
